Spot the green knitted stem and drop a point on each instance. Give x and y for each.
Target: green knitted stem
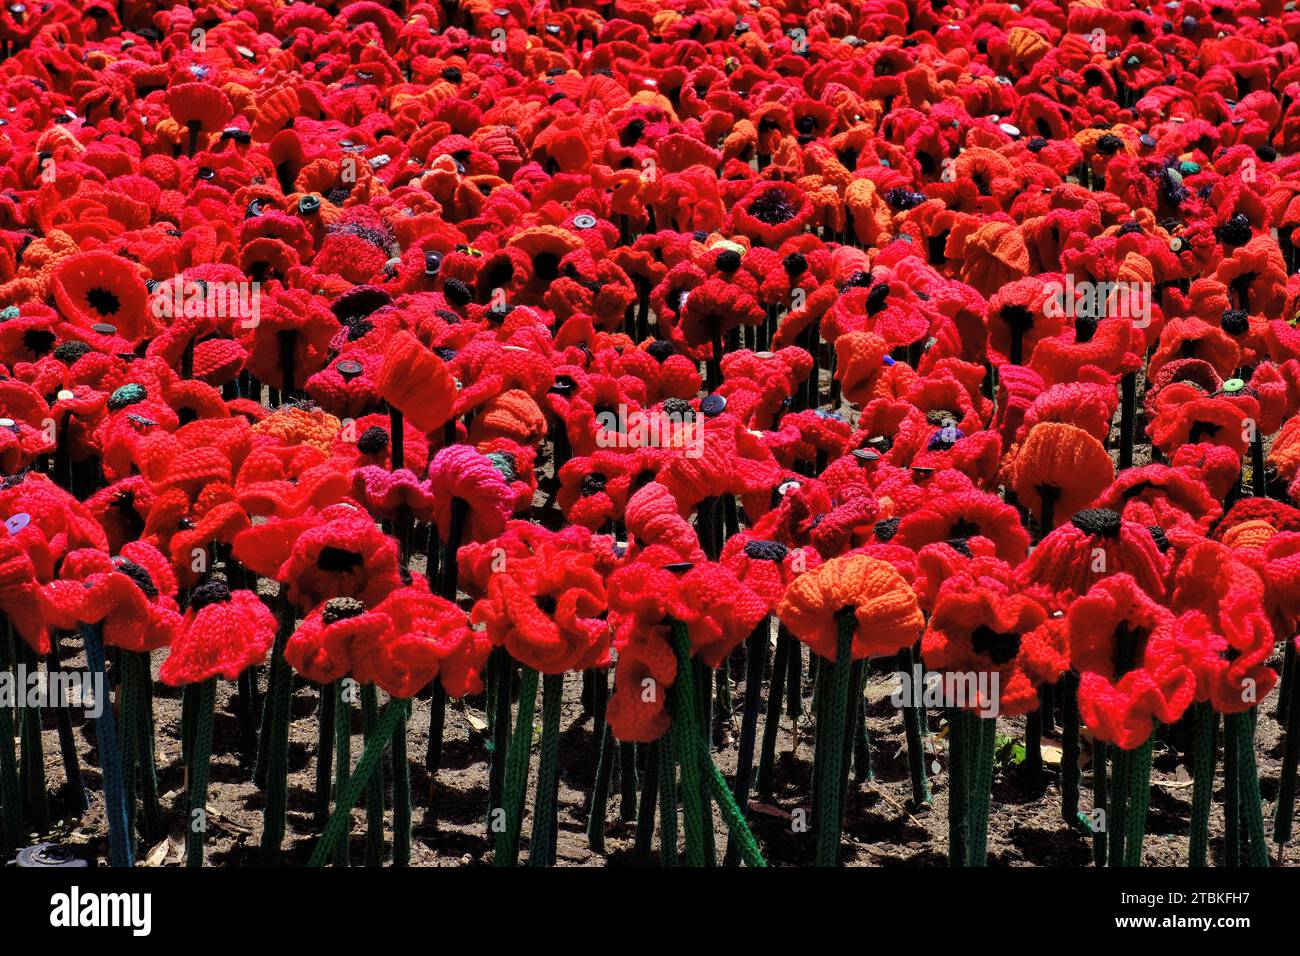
(273, 750)
(731, 815)
(981, 783)
(1099, 801)
(958, 798)
(401, 797)
(772, 719)
(516, 780)
(1231, 793)
(645, 818)
(1070, 751)
(375, 787)
(350, 792)
(128, 734)
(1121, 786)
(832, 721)
(1286, 787)
(10, 799)
(324, 751)
(755, 661)
(605, 745)
(794, 682)
(1287, 689)
(548, 773)
(912, 716)
(1205, 728)
(196, 826)
(862, 738)
(1033, 764)
(1248, 775)
(342, 763)
(686, 736)
(1139, 798)
(667, 800)
(857, 681)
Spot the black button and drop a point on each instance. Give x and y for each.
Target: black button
(1147, 140)
(349, 369)
(309, 205)
(679, 567)
(866, 454)
(432, 263)
(104, 328)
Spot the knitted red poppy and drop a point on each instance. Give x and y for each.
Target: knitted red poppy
(223, 633)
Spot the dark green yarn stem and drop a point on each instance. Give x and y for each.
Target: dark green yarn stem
(1287, 690)
(325, 712)
(755, 662)
(110, 758)
(273, 750)
(605, 745)
(794, 682)
(32, 771)
(1100, 801)
(196, 825)
(350, 793)
(128, 731)
(1070, 751)
(667, 800)
(1286, 787)
(912, 717)
(857, 681)
(1034, 742)
(1121, 785)
(375, 786)
(1139, 799)
(645, 819)
(401, 797)
(189, 714)
(342, 762)
(686, 737)
(548, 773)
(1252, 813)
(10, 791)
(981, 783)
(1205, 749)
(501, 680)
(772, 719)
(958, 798)
(1231, 793)
(831, 722)
(67, 741)
(737, 828)
(153, 826)
(516, 779)
(627, 781)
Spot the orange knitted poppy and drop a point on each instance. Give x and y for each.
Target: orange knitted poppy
(1063, 462)
(889, 618)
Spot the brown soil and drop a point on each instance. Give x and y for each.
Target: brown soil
(882, 826)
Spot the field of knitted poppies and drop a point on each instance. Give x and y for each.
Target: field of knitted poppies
(662, 432)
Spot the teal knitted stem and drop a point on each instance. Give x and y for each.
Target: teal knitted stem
(128, 735)
(516, 780)
(1121, 785)
(794, 682)
(401, 797)
(772, 718)
(1100, 801)
(342, 762)
(604, 773)
(981, 782)
(33, 763)
(1252, 813)
(1139, 798)
(147, 745)
(548, 774)
(958, 796)
(667, 800)
(10, 791)
(196, 826)
(1205, 749)
(1070, 751)
(645, 818)
(1231, 793)
(375, 786)
(110, 759)
(832, 722)
(912, 716)
(325, 711)
(686, 736)
(350, 791)
(273, 751)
